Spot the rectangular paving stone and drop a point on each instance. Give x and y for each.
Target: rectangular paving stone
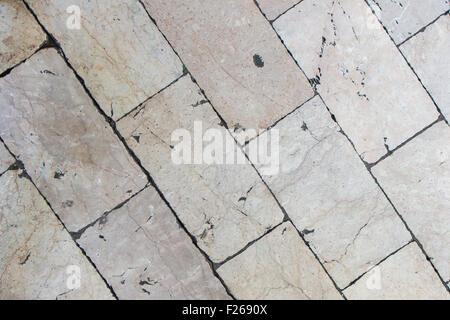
(223, 206)
(330, 197)
(144, 254)
(359, 72)
(406, 275)
(279, 266)
(50, 123)
(20, 34)
(5, 159)
(427, 52)
(236, 57)
(118, 51)
(273, 8)
(403, 18)
(36, 253)
(417, 180)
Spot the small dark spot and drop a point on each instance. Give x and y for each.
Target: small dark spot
(59, 175)
(26, 259)
(258, 61)
(137, 138)
(67, 204)
(102, 237)
(306, 231)
(304, 126)
(242, 199)
(199, 103)
(48, 72)
(284, 230)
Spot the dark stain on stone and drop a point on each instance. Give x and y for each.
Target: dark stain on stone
(304, 126)
(67, 204)
(137, 138)
(59, 175)
(26, 259)
(306, 231)
(258, 61)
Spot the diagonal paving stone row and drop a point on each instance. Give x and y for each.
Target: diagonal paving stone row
(223, 206)
(139, 249)
(403, 18)
(362, 77)
(118, 51)
(427, 53)
(235, 56)
(278, 266)
(406, 275)
(5, 159)
(330, 196)
(417, 180)
(38, 258)
(273, 8)
(20, 34)
(50, 123)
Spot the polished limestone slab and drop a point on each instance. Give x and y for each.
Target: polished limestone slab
(361, 75)
(70, 151)
(236, 57)
(224, 206)
(38, 258)
(144, 254)
(427, 52)
(331, 197)
(20, 34)
(118, 51)
(417, 180)
(279, 266)
(406, 275)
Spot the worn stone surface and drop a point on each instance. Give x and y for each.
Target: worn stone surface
(279, 266)
(236, 58)
(406, 275)
(20, 34)
(70, 151)
(5, 159)
(118, 51)
(35, 250)
(359, 73)
(330, 196)
(427, 52)
(417, 180)
(273, 8)
(223, 206)
(403, 18)
(144, 254)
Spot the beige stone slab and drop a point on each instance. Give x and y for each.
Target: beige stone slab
(70, 151)
(406, 275)
(36, 253)
(330, 196)
(273, 8)
(417, 180)
(279, 266)
(235, 56)
(427, 52)
(144, 254)
(5, 159)
(403, 18)
(118, 51)
(20, 34)
(359, 72)
(223, 206)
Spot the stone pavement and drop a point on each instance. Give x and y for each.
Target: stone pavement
(353, 94)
